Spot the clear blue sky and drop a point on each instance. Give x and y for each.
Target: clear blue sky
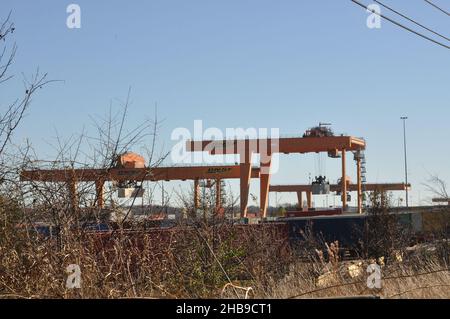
(245, 63)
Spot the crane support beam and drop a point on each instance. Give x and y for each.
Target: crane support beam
(140, 174)
(280, 145)
(370, 187)
(383, 187)
(100, 176)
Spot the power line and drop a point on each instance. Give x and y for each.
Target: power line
(437, 7)
(413, 21)
(401, 25)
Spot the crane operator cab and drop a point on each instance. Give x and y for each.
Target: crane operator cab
(323, 130)
(130, 188)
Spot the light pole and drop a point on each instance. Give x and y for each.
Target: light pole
(404, 118)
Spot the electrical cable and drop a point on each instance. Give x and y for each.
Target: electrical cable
(411, 20)
(437, 7)
(401, 25)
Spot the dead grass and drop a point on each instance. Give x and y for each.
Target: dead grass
(138, 266)
(188, 262)
(416, 277)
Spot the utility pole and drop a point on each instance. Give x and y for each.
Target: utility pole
(404, 118)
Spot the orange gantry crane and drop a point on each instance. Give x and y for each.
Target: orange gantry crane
(370, 187)
(131, 167)
(309, 143)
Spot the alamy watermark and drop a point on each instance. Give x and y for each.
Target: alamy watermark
(73, 20)
(228, 146)
(374, 19)
(74, 276)
(374, 278)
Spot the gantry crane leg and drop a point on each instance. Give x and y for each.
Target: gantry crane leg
(218, 194)
(196, 194)
(309, 199)
(300, 200)
(99, 193)
(246, 170)
(72, 188)
(265, 165)
(344, 182)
